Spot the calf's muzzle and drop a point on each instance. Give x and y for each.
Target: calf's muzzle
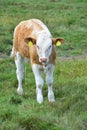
(43, 60)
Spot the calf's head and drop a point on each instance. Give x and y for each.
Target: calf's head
(44, 47)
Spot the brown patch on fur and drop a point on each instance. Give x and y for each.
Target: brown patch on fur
(23, 31)
(53, 55)
(33, 55)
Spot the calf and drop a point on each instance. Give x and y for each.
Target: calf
(33, 40)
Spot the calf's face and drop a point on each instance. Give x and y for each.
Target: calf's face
(44, 47)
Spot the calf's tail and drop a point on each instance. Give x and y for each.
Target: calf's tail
(12, 52)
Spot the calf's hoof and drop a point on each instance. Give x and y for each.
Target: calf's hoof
(39, 98)
(51, 97)
(20, 91)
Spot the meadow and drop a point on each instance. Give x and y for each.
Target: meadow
(64, 18)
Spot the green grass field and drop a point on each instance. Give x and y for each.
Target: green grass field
(64, 18)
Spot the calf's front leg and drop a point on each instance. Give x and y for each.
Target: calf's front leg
(49, 81)
(39, 82)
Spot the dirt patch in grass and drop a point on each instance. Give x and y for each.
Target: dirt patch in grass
(3, 56)
(79, 57)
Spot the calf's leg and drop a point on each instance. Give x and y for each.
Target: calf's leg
(19, 72)
(49, 81)
(39, 82)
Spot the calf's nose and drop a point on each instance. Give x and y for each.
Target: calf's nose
(43, 59)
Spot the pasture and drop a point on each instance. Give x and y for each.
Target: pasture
(64, 18)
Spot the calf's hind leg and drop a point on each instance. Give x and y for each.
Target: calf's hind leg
(19, 72)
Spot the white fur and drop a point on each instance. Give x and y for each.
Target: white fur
(39, 82)
(49, 81)
(44, 46)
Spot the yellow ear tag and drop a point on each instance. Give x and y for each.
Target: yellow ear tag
(30, 43)
(58, 43)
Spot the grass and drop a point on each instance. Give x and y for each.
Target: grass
(67, 19)
(69, 112)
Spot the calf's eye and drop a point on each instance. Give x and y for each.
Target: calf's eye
(49, 46)
(37, 47)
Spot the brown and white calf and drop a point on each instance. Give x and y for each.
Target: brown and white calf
(33, 40)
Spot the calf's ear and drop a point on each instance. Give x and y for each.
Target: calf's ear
(57, 41)
(30, 41)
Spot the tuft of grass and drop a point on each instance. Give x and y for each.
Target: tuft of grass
(15, 100)
(30, 123)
